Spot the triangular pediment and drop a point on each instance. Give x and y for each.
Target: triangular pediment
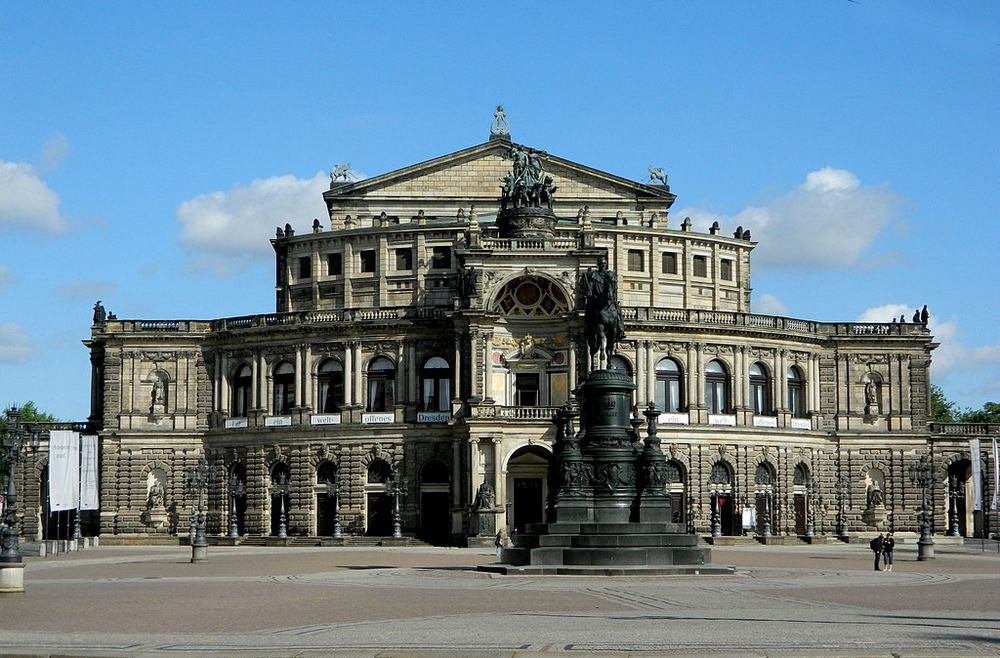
(475, 173)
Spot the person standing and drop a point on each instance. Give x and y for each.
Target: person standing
(887, 545)
(498, 543)
(876, 546)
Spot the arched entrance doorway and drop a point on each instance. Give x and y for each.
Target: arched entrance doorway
(527, 486)
(435, 514)
(326, 497)
(279, 499)
(379, 504)
(238, 497)
(960, 504)
(801, 492)
(720, 491)
(677, 491)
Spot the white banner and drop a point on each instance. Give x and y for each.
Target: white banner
(64, 470)
(977, 478)
(88, 472)
(996, 475)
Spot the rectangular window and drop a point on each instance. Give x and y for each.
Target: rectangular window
(527, 389)
(334, 264)
(441, 258)
(700, 266)
(367, 260)
(669, 265)
(404, 259)
(726, 269)
(305, 267)
(635, 261)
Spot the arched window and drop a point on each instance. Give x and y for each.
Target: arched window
(381, 384)
(760, 397)
(331, 386)
(284, 389)
(326, 473)
(379, 472)
(436, 388)
(796, 392)
(241, 387)
(716, 387)
(669, 389)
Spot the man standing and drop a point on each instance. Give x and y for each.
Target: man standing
(876, 546)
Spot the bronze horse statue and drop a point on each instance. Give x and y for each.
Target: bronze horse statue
(603, 322)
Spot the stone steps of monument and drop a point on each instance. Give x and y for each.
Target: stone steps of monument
(609, 541)
(605, 557)
(573, 570)
(604, 528)
(305, 541)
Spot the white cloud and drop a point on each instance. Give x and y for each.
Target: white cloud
(16, 346)
(952, 354)
(233, 227)
(886, 313)
(26, 200)
(768, 304)
(830, 220)
(54, 152)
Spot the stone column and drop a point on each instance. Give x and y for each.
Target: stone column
(298, 376)
(223, 383)
(308, 380)
(456, 393)
(358, 373)
(348, 375)
(572, 362)
(488, 367)
(413, 389)
(740, 377)
(640, 373)
(781, 381)
(651, 372)
(499, 482)
(473, 364)
(813, 384)
(456, 486)
(255, 381)
(473, 469)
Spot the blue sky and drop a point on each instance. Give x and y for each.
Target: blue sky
(147, 153)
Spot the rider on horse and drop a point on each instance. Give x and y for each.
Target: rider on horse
(603, 323)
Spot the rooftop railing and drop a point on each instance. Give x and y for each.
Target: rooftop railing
(668, 316)
(966, 429)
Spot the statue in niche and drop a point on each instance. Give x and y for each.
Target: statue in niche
(871, 398)
(157, 397)
(485, 498)
(154, 499)
(875, 498)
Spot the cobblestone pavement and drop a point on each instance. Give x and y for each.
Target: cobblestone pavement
(802, 600)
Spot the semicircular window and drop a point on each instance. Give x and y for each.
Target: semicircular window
(531, 297)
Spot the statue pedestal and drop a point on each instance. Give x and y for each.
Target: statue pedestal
(154, 518)
(874, 516)
(483, 527)
(612, 512)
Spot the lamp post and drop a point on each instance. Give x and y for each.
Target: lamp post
(716, 512)
(810, 512)
(953, 506)
(197, 485)
(922, 474)
(393, 488)
(236, 490)
(336, 508)
(11, 562)
(843, 493)
(281, 488)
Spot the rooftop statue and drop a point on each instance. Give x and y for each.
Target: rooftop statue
(657, 174)
(500, 127)
(525, 186)
(340, 171)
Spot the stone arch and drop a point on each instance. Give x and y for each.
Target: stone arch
(530, 294)
(524, 444)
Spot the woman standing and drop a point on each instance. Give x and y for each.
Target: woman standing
(887, 545)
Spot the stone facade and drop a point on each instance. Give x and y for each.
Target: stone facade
(413, 343)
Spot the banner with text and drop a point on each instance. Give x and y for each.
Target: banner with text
(64, 470)
(88, 472)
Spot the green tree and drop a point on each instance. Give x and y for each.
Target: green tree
(990, 413)
(943, 410)
(29, 414)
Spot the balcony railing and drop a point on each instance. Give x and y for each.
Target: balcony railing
(966, 429)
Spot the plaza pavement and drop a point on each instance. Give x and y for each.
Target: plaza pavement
(801, 600)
